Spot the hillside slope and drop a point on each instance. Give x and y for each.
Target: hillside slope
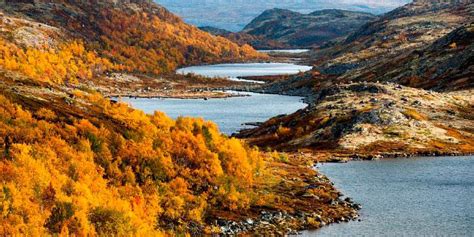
(423, 44)
(139, 35)
(370, 119)
(297, 30)
(411, 45)
(446, 64)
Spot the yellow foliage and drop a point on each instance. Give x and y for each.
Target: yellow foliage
(69, 63)
(132, 171)
(165, 43)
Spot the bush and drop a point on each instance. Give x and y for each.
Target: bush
(109, 222)
(61, 213)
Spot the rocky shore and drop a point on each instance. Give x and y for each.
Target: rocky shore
(283, 223)
(304, 199)
(188, 86)
(374, 120)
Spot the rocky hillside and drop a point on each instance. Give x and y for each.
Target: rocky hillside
(370, 120)
(297, 30)
(423, 44)
(242, 38)
(139, 36)
(446, 64)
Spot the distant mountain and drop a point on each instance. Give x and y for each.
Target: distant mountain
(297, 30)
(242, 38)
(234, 15)
(215, 30)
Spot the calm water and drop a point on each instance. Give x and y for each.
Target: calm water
(233, 71)
(295, 51)
(406, 197)
(229, 113)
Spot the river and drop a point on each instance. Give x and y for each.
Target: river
(230, 113)
(286, 51)
(236, 70)
(406, 197)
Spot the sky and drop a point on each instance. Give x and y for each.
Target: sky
(235, 14)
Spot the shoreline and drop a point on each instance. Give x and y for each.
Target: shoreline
(310, 202)
(370, 157)
(184, 96)
(151, 88)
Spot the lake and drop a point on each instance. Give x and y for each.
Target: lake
(235, 70)
(289, 51)
(406, 197)
(229, 113)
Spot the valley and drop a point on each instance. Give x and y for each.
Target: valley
(96, 138)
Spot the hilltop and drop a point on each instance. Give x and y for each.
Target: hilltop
(297, 30)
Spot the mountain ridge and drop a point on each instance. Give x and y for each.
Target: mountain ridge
(234, 16)
(281, 28)
(306, 30)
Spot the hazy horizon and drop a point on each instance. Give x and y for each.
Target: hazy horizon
(234, 15)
